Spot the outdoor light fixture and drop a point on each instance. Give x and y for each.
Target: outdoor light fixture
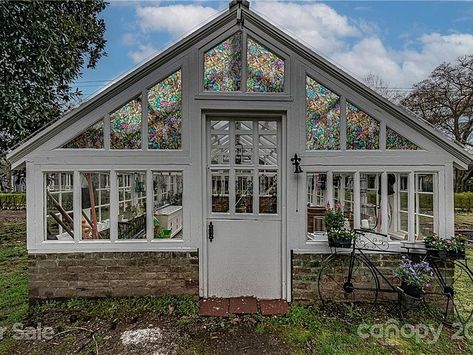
(297, 165)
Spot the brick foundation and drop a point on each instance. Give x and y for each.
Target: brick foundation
(113, 274)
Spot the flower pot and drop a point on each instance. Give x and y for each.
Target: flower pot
(446, 254)
(412, 291)
(338, 242)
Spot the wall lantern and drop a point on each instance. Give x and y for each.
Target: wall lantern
(297, 165)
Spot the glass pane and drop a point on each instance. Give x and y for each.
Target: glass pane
(132, 205)
(426, 226)
(220, 191)
(362, 129)
(244, 125)
(265, 69)
(219, 125)
(425, 183)
(95, 204)
(316, 204)
(125, 126)
(322, 117)
(268, 125)
(370, 201)
(222, 65)
(395, 141)
(59, 213)
(267, 151)
(426, 204)
(165, 114)
(403, 221)
(220, 149)
(167, 205)
(243, 149)
(268, 191)
(91, 138)
(343, 195)
(243, 191)
(403, 200)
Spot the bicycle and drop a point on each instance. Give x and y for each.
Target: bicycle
(357, 279)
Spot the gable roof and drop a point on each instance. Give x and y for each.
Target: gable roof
(239, 12)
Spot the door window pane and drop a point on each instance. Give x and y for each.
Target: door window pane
(95, 204)
(131, 205)
(244, 149)
(219, 149)
(59, 212)
(243, 191)
(370, 201)
(167, 204)
(220, 191)
(268, 191)
(425, 205)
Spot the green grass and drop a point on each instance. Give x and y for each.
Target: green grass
(13, 273)
(464, 218)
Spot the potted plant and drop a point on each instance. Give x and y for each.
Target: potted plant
(414, 276)
(447, 249)
(338, 236)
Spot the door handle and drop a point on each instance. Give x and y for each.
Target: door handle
(211, 232)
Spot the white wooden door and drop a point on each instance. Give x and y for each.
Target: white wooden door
(244, 208)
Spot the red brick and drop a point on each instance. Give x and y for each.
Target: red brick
(243, 305)
(273, 307)
(214, 307)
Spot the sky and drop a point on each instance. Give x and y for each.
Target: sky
(401, 41)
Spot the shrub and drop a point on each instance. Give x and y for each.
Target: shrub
(12, 201)
(464, 201)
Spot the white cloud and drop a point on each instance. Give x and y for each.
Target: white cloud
(176, 20)
(353, 43)
(316, 24)
(143, 52)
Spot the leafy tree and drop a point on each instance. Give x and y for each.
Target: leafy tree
(44, 45)
(445, 99)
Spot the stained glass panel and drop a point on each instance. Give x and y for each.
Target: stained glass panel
(322, 117)
(91, 138)
(125, 126)
(165, 113)
(362, 129)
(265, 69)
(395, 141)
(222, 65)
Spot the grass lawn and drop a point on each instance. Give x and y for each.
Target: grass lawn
(85, 326)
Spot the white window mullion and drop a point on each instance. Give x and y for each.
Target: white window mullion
(77, 193)
(329, 188)
(106, 132)
(411, 208)
(113, 206)
(144, 120)
(149, 206)
(244, 66)
(356, 200)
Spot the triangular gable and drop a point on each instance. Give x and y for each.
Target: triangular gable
(243, 16)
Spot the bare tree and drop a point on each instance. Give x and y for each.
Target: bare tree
(378, 84)
(445, 99)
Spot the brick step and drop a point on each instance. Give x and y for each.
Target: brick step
(221, 307)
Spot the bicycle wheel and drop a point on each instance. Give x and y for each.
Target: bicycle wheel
(335, 288)
(449, 298)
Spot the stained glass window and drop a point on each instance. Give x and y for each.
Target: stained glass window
(395, 141)
(92, 138)
(125, 126)
(322, 117)
(165, 113)
(362, 129)
(265, 69)
(222, 65)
